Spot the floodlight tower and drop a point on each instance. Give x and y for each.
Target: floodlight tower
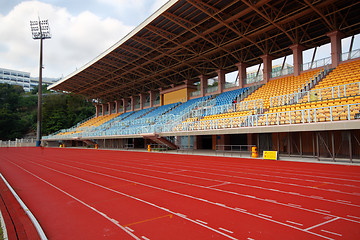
(40, 30)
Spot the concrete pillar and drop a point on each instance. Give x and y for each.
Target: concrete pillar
(110, 107)
(141, 101)
(97, 107)
(124, 105)
(161, 97)
(221, 80)
(103, 109)
(132, 104)
(335, 38)
(203, 84)
(152, 95)
(117, 106)
(298, 58)
(242, 73)
(267, 60)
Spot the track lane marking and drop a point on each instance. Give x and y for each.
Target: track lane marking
(298, 194)
(215, 189)
(226, 230)
(331, 232)
(185, 195)
(272, 174)
(293, 205)
(261, 180)
(218, 185)
(299, 224)
(80, 201)
(320, 224)
(115, 191)
(148, 220)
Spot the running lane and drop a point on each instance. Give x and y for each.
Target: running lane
(160, 196)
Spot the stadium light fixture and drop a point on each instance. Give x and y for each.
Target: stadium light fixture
(40, 30)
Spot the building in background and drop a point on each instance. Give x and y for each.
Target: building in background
(15, 77)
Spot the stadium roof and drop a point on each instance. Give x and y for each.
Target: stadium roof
(187, 38)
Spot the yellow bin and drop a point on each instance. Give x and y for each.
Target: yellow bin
(254, 153)
(149, 148)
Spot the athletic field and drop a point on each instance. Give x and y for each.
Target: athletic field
(100, 194)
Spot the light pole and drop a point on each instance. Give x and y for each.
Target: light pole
(40, 30)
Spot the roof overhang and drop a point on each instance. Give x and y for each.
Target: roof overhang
(187, 38)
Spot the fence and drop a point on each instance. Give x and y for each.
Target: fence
(29, 142)
(234, 150)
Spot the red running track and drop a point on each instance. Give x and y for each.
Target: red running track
(95, 194)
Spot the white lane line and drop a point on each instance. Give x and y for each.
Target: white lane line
(218, 185)
(178, 171)
(322, 210)
(250, 238)
(353, 216)
(282, 204)
(207, 179)
(225, 230)
(331, 232)
(294, 205)
(201, 221)
(145, 238)
(131, 230)
(320, 224)
(240, 209)
(299, 224)
(78, 200)
(343, 201)
(176, 193)
(126, 195)
(264, 215)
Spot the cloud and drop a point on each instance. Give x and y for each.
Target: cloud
(75, 40)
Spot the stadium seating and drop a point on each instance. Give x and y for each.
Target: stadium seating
(280, 86)
(336, 97)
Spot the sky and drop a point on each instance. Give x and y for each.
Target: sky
(81, 30)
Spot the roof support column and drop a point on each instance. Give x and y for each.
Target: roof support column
(141, 101)
(335, 38)
(110, 106)
(203, 84)
(267, 60)
(103, 109)
(132, 103)
(297, 50)
(221, 80)
(151, 96)
(116, 106)
(97, 108)
(124, 105)
(242, 73)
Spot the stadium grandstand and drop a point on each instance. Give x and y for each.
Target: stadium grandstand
(166, 81)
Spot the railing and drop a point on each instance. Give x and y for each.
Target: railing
(227, 85)
(258, 78)
(316, 64)
(296, 96)
(234, 149)
(338, 91)
(18, 142)
(350, 55)
(282, 72)
(212, 89)
(305, 116)
(195, 93)
(325, 114)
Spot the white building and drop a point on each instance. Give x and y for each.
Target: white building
(23, 79)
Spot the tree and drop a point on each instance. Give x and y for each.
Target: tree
(18, 111)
